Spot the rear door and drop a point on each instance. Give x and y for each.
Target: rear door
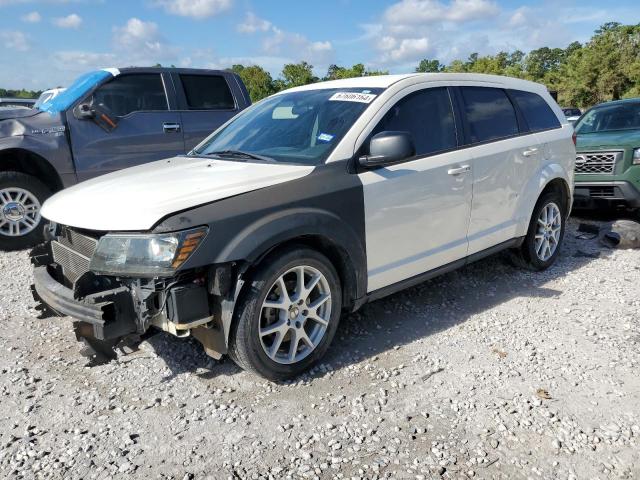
(206, 102)
(146, 129)
(417, 212)
(505, 157)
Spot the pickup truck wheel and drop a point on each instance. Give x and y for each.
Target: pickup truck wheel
(21, 197)
(287, 318)
(542, 244)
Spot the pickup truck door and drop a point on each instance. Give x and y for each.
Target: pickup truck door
(146, 129)
(206, 101)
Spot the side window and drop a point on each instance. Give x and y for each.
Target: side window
(132, 93)
(428, 116)
(207, 92)
(490, 114)
(536, 111)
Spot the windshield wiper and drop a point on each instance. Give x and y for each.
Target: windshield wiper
(240, 154)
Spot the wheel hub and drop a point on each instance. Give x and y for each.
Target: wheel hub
(14, 211)
(19, 212)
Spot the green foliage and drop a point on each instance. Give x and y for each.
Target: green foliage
(606, 68)
(257, 80)
(336, 72)
(20, 93)
(427, 65)
(297, 74)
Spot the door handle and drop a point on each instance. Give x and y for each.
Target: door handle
(171, 127)
(530, 152)
(459, 170)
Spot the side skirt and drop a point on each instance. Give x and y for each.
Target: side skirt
(423, 277)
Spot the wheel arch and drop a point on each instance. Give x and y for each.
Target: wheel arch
(336, 254)
(552, 177)
(247, 244)
(560, 186)
(30, 163)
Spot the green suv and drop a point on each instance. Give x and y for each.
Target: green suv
(607, 167)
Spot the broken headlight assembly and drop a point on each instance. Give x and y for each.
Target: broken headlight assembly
(145, 255)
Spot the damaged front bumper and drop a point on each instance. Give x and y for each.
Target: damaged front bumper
(109, 314)
(108, 309)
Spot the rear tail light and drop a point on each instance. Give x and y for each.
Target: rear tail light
(574, 138)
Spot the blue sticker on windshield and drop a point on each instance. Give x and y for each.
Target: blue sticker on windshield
(325, 137)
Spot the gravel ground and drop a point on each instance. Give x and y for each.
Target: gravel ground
(487, 372)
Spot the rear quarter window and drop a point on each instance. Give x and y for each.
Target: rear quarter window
(207, 92)
(536, 111)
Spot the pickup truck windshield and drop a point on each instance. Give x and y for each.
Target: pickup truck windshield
(297, 127)
(78, 89)
(625, 116)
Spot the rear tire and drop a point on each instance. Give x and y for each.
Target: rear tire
(278, 336)
(21, 197)
(543, 241)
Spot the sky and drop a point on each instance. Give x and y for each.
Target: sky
(47, 43)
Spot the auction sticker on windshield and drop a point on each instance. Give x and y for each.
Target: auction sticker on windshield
(352, 97)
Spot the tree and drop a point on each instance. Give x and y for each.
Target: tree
(427, 65)
(542, 61)
(296, 74)
(22, 93)
(336, 72)
(605, 68)
(257, 80)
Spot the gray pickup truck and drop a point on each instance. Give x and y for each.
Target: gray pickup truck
(105, 121)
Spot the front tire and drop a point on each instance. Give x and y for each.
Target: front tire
(21, 197)
(541, 246)
(285, 321)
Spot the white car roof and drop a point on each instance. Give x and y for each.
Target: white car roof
(385, 81)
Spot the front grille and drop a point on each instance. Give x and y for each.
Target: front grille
(73, 252)
(597, 162)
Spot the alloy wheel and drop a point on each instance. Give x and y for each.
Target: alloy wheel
(549, 229)
(19, 212)
(295, 314)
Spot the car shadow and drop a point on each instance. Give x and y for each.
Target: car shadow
(417, 312)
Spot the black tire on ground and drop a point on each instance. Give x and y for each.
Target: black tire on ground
(41, 192)
(525, 256)
(245, 348)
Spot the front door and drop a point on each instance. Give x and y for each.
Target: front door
(146, 129)
(417, 212)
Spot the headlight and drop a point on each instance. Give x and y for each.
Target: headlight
(145, 255)
(636, 156)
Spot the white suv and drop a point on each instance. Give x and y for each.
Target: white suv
(310, 203)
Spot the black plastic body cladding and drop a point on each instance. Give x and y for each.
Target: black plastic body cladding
(325, 205)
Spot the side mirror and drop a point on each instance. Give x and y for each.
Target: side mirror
(100, 114)
(387, 148)
(84, 111)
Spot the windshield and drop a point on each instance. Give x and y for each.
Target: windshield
(78, 89)
(45, 97)
(297, 127)
(623, 116)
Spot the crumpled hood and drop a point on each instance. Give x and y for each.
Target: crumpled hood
(618, 139)
(137, 198)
